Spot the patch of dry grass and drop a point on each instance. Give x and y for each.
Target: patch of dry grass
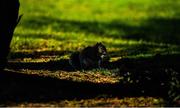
(96, 102)
(78, 76)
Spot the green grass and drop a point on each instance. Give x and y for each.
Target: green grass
(125, 27)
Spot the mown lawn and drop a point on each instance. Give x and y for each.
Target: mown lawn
(67, 25)
(50, 30)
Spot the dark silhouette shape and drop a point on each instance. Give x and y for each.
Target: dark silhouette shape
(8, 21)
(90, 57)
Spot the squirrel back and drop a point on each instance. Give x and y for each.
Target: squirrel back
(74, 60)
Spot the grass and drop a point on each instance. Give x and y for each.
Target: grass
(68, 25)
(50, 30)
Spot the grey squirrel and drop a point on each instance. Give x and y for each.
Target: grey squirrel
(90, 57)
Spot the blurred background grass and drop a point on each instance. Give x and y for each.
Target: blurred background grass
(126, 27)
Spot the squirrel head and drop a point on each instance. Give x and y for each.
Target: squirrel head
(101, 51)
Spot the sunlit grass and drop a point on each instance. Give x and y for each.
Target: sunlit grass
(68, 25)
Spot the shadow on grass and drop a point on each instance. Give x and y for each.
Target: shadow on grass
(17, 58)
(142, 77)
(154, 29)
(20, 88)
(17, 87)
(37, 54)
(158, 60)
(40, 36)
(62, 64)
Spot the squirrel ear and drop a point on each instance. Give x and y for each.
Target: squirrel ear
(98, 43)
